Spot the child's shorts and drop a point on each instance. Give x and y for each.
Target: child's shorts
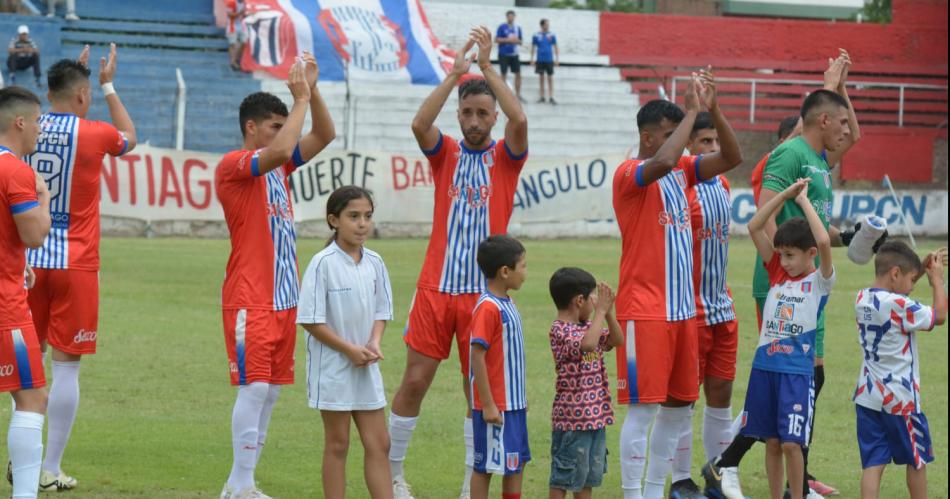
(578, 459)
(778, 405)
(501, 449)
(885, 438)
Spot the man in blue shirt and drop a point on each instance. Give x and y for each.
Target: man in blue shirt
(508, 37)
(548, 56)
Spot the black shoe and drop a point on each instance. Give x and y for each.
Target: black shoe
(685, 489)
(552, 101)
(541, 100)
(10, 472)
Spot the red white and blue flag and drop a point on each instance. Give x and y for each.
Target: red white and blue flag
(388, 40)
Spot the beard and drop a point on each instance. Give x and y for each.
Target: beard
(475, 138)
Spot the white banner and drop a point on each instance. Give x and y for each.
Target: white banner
(556, 197)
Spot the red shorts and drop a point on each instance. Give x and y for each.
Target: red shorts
(659, 362)
(260, 345)
(65, 307)
(718, 345)
(434, 318)
(21, 360)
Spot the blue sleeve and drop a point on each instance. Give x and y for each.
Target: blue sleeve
(638, 176)
(699, 178)
(297, 157)
(498, 32)
(16, 209)
(435, 150)
(512, 155)
(255, 164)
(553, 39)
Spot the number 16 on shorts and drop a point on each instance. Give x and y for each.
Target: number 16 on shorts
(795, 424)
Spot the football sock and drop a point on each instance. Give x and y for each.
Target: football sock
(683, 457)
(469, 434)
(25, 448)
(666, 433)
(717, 430)
(272, 392)
(400, 432)
(245, 421)
(732, 456)
(633, 447)
(61, 410)
(511, 495)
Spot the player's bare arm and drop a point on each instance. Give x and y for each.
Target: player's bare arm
(322, 131)
(766, 214)
(33, 225)
(359, 355)
(934, 271)
(844, 63)
(117, 112)
(516, 131)
(822, 239)
(282, 148)
(489, 410)
(423, 124)
(670, 152)
(730, 154)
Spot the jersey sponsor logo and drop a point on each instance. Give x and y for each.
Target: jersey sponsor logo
(718, 232)
(785, 328)
(279, 210)
(781, 297)
(779, 348)
(59, 220)
(476, 197)
(678, 219)
(6, 370)
(84, 336)
(785, 311)
(339, 290)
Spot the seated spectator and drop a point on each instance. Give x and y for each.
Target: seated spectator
(23, 53)
(70, 9)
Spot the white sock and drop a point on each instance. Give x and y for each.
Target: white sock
(736, 426)
(633, 447)
(469, 434)
(61, 411)
(717, 430)
(666, 433)
(25, 448)
(272, 392)
(683, 455)
(245, 421)
(400, 432)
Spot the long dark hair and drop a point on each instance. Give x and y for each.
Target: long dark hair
(338, 201)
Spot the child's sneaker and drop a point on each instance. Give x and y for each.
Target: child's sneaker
(226, 492)
(822, 488)
(401, 489)
(722, 483)
(685, 489)
(250, 493)
(55, 483)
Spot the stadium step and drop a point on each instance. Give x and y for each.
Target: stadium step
(79, 37)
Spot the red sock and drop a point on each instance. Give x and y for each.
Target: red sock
(511, 495)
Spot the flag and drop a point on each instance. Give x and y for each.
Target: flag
(372, 40)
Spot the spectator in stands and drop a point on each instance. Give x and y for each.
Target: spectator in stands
(23, 53)
(545, 43)
(70, 9)
(235, 31)
(508, 37)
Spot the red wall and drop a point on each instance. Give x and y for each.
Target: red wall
(906, 156)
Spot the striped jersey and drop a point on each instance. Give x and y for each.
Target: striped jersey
(889, 380)
(262, 269)
(496, 326)
(710, 214)
(474, 198)
(790, 320)
(17, 195)
(656, 260)
(69, 155)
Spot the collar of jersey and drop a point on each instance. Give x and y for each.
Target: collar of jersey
(50, 113)
(475, 151)
(336, 247)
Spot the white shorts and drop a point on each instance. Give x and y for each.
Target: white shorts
(335, 384)
(239, 35)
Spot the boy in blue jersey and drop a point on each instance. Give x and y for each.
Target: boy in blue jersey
(544, 43)
(778, 405)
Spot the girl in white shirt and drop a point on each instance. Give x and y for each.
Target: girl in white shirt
(345, 301)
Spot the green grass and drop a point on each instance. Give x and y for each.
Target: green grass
(154, 420)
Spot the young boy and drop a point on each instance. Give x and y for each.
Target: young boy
(498, 371)
(582, 407)
(779, 398)
(891, 425)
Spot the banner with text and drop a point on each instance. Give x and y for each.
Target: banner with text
(556, 197)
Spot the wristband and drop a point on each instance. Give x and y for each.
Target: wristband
(108, 89)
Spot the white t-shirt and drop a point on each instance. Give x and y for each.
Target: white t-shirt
(348, 297)
(890, 374)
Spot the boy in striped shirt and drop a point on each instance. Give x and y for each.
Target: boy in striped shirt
(497, 371)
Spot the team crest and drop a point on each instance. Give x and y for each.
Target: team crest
(806, 287)
(806, 347)
(488, 158)
(785, 311)
(512, 460)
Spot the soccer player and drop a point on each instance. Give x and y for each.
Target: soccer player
(545, 44)
(655, 302)
(890, 422)
(508, 37)
(475, 183)
(498, 371)
(65, 299)
(24, 223)
(259, 296)
(718, 329)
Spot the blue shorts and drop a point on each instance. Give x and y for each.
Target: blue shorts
(779, 405)
(578, 459)
(501, 449)
(893, 438)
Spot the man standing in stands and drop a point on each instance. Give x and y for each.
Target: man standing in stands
(545, 43)
(23, 53)
(235, 31)
(65, 299)
(508, 37)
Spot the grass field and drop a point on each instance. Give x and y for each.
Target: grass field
(154, 418)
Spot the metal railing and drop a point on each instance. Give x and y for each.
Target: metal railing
(180, 112)
(754, 82)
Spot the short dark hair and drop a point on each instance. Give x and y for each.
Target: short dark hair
(510, 13)
(896, 253)
(260, 106)
(794, 233)
(568, 282)
(820, 99)
(786, 126)
(13, 102)
(542, 22)
(498, 251)
(703, 122)
(475, 86)
(653, 112)
(64, 74)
